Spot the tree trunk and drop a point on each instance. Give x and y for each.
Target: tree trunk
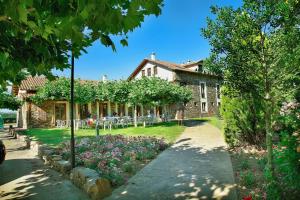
(269, 132)
(268, 105)
(253, 121)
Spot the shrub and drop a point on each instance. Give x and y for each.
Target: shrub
(114, 156)
(286, 158)
(247, 178)
(244, 164)
(287, 165)
(115, 176)
(129, 167)
(262, 163)
(271, 187)
(243, 118)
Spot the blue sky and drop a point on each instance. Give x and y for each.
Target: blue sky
(174, 36)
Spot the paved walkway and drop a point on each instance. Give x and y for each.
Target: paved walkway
(23, 176)
(196, 167)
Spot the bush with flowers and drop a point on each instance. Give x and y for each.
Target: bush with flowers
(287, 152)
(115, 157)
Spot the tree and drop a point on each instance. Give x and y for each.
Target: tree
(146, 91)
(8, 101)
(244, 44)
(156, 92)
(38, 35)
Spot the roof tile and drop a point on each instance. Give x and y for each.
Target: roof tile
(32, 83)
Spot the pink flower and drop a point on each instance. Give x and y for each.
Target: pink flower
(87, 154)
(109, 145)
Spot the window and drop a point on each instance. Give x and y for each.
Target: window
(149, 72)
(143, 72)
(218, 91)
(202, 90)
(200, 68)
(155, 70)
(203, 106)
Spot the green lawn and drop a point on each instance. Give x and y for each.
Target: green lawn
(170, 131)
(215, 121)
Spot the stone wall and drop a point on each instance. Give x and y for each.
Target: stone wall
(192, 81)
(40, 116)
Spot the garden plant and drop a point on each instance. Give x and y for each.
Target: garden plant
(255, 47)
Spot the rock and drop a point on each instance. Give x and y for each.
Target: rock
(89, 180)
(47, 159)
(27, 142)
(104, 187)
(62, 166)
(79, 175)
(98, 188)
(25, 139)
(35, 147)
(56, 157)
(46, 152)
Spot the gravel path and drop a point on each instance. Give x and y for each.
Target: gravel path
(197, 166)
(24, 176)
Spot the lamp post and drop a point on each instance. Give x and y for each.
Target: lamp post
(72, 144)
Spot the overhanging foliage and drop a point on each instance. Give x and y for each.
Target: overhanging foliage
(148, 91)
(8, 101)
(38, 35)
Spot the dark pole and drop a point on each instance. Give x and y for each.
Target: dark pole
(72, 113)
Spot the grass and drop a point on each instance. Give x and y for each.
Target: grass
(53, 136)
(215, 121)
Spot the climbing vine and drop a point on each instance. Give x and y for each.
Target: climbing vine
(147, 91)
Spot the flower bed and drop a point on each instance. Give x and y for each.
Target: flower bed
(115, 157)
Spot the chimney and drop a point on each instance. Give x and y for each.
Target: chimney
(152, 56)
(104, 78)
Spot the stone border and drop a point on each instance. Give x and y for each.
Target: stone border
(85, 178)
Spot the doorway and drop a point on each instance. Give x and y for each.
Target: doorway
(60, 111)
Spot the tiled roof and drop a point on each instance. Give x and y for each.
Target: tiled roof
(169, 65)
(25, 96)
(166, 64)
(32, 83)
(192, 64)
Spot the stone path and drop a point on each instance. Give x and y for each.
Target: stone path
(196, 167)
(23, 176)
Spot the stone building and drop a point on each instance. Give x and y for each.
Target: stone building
(46, 115)
(205, 86)
(205, 102)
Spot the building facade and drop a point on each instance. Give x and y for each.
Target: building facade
(205, 102)
(205, 86)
